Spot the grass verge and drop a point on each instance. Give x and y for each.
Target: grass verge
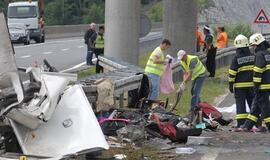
(212, 88)
(87, 72)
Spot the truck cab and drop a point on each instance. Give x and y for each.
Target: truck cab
(28, 13)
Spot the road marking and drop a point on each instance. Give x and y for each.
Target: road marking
(26, 56)
(50, 42)
(94, 60)
(74, 67)
(65, 49)
(47, 52)
(80, 46)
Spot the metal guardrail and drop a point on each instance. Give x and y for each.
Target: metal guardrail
(223, 58)
(125, 78)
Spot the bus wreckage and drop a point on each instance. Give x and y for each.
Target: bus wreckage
(45, 116)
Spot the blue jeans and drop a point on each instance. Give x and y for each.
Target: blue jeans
(195, 91)
(154, 86)
(89, 56)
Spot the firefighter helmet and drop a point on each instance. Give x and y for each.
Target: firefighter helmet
(241, 41)
(256, 39)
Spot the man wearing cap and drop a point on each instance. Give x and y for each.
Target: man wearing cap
(194, 70)
(210, 51)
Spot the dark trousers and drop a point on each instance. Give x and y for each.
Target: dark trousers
(89, 56)
(241, 96)
(99, 52)
(260, 106)
(211, 61)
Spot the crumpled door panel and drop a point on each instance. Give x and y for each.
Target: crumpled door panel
(73, 128)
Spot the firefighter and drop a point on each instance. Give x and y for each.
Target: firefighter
(261, 79)
(241, 78)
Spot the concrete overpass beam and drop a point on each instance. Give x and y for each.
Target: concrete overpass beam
(179, 24)
(122, 24)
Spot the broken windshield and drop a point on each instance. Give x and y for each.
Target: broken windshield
(22, 12)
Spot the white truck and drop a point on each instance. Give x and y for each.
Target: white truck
(31, 14)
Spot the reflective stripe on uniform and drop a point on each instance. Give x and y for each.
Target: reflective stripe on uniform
(231, 79)
(241, 116)
(267, 67)
(256, 79)
(244, 84)
(253, 118)
(267, 120)
(259, 70)
(232, 72)
(245, 68)
(265, 86)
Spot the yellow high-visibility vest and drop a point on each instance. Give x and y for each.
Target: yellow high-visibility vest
(151, 67)
(199, 69)
(99, 42)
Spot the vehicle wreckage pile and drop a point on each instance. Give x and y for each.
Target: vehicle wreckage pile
(53, 115)
(151, 120)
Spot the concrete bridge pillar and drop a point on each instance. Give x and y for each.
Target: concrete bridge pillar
(179, 24)
(122, 24)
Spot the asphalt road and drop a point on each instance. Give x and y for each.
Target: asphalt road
(61, 53)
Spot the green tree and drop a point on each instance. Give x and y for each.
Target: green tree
(95, 13)
(156, 12)
(54, 13)
(3, 6)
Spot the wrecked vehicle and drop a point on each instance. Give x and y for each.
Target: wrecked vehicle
(46, 116)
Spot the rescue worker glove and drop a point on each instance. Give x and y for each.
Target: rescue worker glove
(231, 88)
(169, 58)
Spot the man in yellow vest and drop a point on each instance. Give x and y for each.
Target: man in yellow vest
(194, 70)
(99, 47)
(155, 68)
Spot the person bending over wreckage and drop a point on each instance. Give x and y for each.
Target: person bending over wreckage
(194, 70)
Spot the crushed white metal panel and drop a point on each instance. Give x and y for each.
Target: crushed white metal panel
(9, 76)
(72, 129)
(41, 108)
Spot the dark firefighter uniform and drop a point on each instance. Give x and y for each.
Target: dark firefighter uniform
(261, 81)
(241, 82)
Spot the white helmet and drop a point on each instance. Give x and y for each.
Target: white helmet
(241, 41)
(256, 39)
